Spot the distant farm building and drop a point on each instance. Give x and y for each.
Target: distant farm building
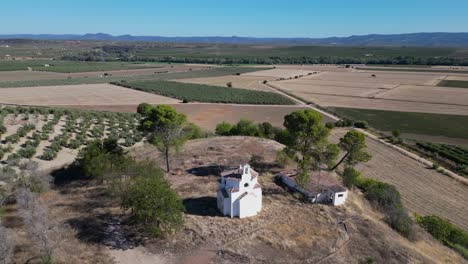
(321, 189)
(239, 193)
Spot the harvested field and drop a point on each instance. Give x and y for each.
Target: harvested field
(314, 67)
(311, 88)
(11, 76)
(93, 94)
(279, 73)
(238, 81)
(207, 116)
(380, 77)
(427, 94)
(423, 190)
(382, 104)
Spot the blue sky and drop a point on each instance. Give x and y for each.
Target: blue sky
(256, 18)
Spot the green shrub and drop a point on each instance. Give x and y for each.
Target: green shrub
(154, 206)
(245, 128)
(330, 125)
(49, 154)
(351, 177)
(344, 123)
(223, 129)
(55, 146)
(2, 153)
(361, 124)
(443, 230)
(13, 139)
(400, 221)
(27, 152)
(74, 144)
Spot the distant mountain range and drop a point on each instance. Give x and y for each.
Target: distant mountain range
(439, 39)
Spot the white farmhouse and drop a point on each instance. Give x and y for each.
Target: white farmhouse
(239, 193)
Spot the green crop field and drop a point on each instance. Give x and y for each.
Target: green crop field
(213, 72)
(71, 66)
(453, 83)
(407, 122)
(207, 93)
(456, 154)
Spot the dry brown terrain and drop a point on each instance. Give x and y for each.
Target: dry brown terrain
(381, 104)
(11, 76)
(84, 94)
(380, 77)
(394, 91)
(279, 73)
(238, 81)
(423, 190)
(286, 230)
(427, 94)
(207, 115)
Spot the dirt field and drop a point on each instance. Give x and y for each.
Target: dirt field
(423, 190)
(380, 77)
(85, 94)
(11, 76)
(207, 116)
(368, 103)
(279, 73)
(427, 94)
(238, 81)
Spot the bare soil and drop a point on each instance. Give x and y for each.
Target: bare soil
(207, 116)
(84, 94)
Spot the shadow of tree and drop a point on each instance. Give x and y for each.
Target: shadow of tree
(67, 175)
(207, 170)
(202, 206)
(107, 230)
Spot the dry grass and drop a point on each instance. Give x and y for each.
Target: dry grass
(427, 94)
(84, 94)
(279, 73)
(286, 230)
(380, 77)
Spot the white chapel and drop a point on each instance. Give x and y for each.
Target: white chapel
(239, 193)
